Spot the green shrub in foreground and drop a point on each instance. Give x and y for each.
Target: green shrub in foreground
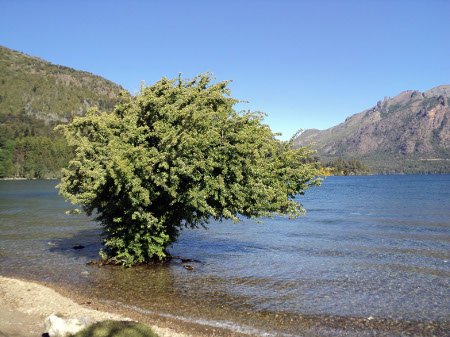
(178, 155)
(116, 329)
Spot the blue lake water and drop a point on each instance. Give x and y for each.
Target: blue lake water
(374, 247)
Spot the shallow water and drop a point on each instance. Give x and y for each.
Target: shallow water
(376, 246)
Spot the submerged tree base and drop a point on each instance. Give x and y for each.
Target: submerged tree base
(155, 262)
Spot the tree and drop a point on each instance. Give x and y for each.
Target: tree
(178, 155)
(344, 167)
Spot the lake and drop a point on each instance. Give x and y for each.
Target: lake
(371, 256)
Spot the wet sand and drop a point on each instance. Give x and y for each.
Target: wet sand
(25, 305)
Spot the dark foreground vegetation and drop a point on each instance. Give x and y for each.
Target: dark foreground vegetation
(116, 329)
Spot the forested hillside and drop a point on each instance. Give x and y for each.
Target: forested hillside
(35, 96)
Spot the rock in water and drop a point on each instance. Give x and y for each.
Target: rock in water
(60, 327)
(188, 267)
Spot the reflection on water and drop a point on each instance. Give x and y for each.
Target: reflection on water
(369, 246)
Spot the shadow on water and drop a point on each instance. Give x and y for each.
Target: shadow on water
(192, 245)
(85, 243)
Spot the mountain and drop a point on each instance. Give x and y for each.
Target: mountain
(409, 133)
(35, 96)
(31, 87)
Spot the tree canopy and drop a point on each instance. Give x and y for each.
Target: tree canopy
(178, 155)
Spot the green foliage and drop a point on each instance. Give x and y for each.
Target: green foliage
(30, 149)
(409, 164)
(34, 156)
(40, 157)
(33, 87)
(35, 96)
(178, 155)
(342, 167)
(6, 157)
(116, 329)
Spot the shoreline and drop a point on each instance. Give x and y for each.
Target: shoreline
(23, 178)
(332, 175)
(26, 304)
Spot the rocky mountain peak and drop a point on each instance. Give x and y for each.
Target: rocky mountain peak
(410, 127)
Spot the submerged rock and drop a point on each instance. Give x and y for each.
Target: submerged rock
(61, 327)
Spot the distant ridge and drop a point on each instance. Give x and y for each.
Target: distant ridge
(409, 133)
(36, 88)
(35, 96)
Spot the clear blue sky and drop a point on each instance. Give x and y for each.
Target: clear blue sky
(307, 64)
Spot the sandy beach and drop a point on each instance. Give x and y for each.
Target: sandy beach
(25, 305)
